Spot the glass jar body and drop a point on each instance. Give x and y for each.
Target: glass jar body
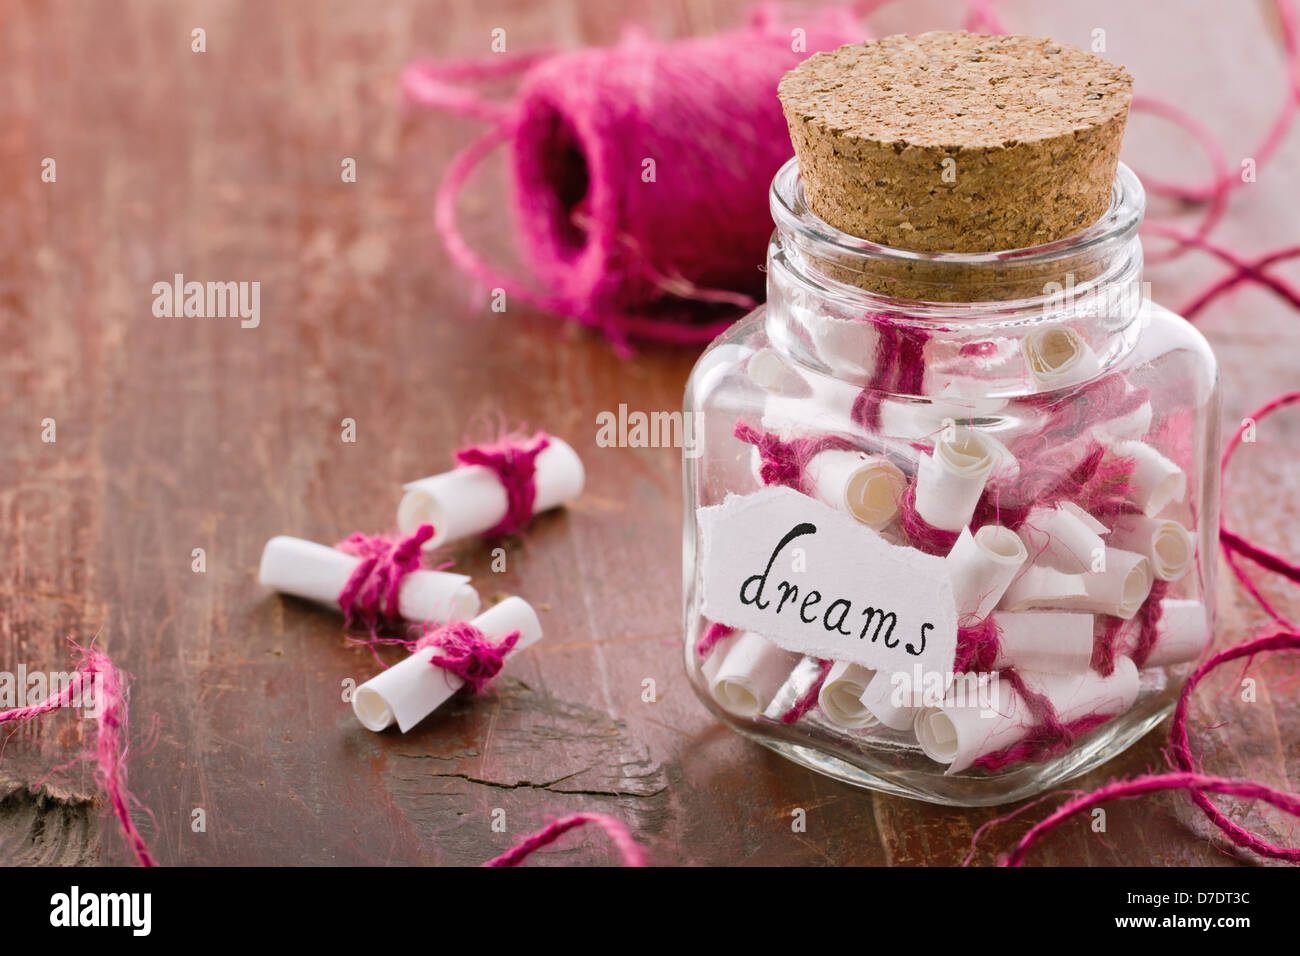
(1074, 438)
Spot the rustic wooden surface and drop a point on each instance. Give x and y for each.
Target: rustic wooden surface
(175, 434)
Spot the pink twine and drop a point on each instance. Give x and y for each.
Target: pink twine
(468, 653)
(370, 596)
(1180, 752)
(922, 535)
(808, 699)
(898, 367)
(712, 637)
(978, 646)
(1234, 544)
(615, 243)
(1049, 736)
(110, 736)
(514, 461)
(1194, 782)
(785, 462)
(628, 848)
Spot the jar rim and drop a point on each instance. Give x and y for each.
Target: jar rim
(818, 238)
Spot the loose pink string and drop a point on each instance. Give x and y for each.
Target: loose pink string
(110, 736)
(370, 596)
(514, 462)
(628, 848)
(468, 653)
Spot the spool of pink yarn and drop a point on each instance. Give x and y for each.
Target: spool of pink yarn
(640, 171)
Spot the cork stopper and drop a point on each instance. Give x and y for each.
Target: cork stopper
(957, 142)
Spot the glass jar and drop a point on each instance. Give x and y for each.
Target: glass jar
(1018, 447)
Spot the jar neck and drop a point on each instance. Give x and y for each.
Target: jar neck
(1010, 318)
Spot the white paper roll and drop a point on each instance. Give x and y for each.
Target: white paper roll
(1057, 356)
(1166, 544)
(888, 705)
(866, 486)
(1131, 426)
(772, 373)
(1156, 480)
(1182, 632)
(840, 699)
(1062, 537)
(709, 669)
(982, 566)
(949, 481)
(1043, 587)
(318, 573)
(467, 501)
(751, 674)
(1121, 588)
(960, 735)
(412, 689)
(1051, 642)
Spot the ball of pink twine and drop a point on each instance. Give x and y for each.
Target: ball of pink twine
(639, 171)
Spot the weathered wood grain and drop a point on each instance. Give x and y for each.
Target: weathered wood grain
(175, 434)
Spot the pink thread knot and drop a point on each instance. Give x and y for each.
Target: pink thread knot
(514, 462)
(468, 653)
(370, 596)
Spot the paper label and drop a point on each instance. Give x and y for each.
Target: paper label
(814, 581)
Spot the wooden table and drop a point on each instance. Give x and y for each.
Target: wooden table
(177, 434)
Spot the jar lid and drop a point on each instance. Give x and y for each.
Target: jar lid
(957, 142)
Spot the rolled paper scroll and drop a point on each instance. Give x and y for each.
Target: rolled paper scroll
(1130, 426)
(866, 486)
(888, 704)
(319, 573)
(982, 566)
(958, 734)
(411, 690)
(470, 500)
(1118, 590)
(751, 674)
(772, 373)
(949, 482)
(1166, 544)
(1156, 480)
(1121, 588)
(1057, 356)
(840, 698)
(1064, 537)
(1182, 632)
(920, 419)
(1043, 587)
(1052, 642)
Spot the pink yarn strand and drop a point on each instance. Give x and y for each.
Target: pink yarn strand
(1180, 751)
(628, 848)
(110, 737)
(1195, 782)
